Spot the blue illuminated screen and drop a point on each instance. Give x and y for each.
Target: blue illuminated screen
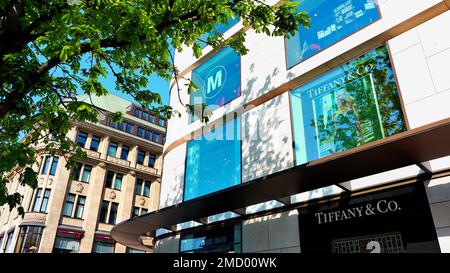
(213, 161)
(331, 21)
(218, 80)
(222, 28)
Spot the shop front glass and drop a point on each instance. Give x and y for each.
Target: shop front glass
(218, 240)
(354, 104)
(29, 239)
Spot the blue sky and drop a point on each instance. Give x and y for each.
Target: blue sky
(156, 84)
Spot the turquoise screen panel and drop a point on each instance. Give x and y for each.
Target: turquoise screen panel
(331, 21)
(213, 161)
(222, 28)
(218, 81)
(354, 104)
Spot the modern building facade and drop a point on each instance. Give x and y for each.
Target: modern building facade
(120, 179)
(334, 140)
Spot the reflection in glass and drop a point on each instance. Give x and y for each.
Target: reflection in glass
(218, 240)
(29, 239)
(354, 104)
(331, 21)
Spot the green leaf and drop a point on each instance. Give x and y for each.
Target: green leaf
(64, 53)
(197, 51)
(192, 87)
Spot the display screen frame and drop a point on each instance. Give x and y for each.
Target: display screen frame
(226, 93)
(290, 65)
(300, 148)
(234, 126)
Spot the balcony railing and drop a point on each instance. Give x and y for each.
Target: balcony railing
(146, 169)
(91, 153)
(118, 161)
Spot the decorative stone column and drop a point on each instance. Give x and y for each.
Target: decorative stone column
(93, 204)
(126, 203)
(103, 147)
(55, 205)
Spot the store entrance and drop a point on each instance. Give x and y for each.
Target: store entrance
(396, 220)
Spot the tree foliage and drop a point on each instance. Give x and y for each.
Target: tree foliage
(52, 50)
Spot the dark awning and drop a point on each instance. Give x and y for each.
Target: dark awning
(408, 148)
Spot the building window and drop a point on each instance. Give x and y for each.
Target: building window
(46, 165)
(130, 128)
(114, 180)
(354, 104)
(155, 137)
(142, 187)
(83, 172)
(161, 122)
(330, 22)
(138, 188)
(29, 239)
(104, 212)
(54, 165)
(137, 211)
(148, 135)
(121, 126)
(86, 174)
(79, 209)
(151, 160)
(137, 112)
(8, 244)
(95, 142)
(113, 213)
(218, 240)
(151, 118)
(140, 157)
(163, 139)
(103, 246)
(218, 81)
(68, 206)
(145, 116)
(132, 250)
(66, 244)
(124, 152)
(112, 124)
(45, 200)
(112, 149)
(108, 212)
(37, 200)
(218, 150)
(81, 138)
(140, 132)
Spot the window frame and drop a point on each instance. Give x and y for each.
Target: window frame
(54, 166)
(96, 141)
(69, 203)
(78, 138)
(45, 199)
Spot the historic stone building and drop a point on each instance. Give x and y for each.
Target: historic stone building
(119, 180)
